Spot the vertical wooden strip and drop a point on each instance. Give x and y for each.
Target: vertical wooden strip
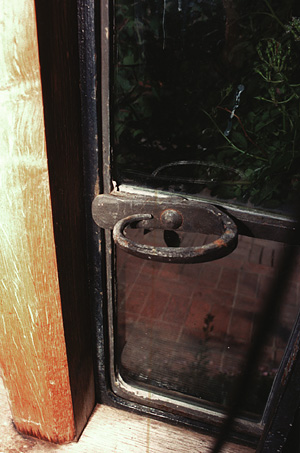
(32, 345)
(57, 27)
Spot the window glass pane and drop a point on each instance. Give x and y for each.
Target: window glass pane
(187, 328)
(206, 98)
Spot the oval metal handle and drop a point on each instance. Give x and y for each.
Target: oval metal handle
(219, 248)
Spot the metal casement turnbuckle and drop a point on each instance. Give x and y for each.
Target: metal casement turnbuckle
(119, 212)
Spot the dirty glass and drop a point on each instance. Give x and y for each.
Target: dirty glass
(186, 328)
(206, 98)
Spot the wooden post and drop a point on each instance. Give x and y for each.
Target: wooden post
(33, 354)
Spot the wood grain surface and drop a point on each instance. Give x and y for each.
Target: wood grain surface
(32, 344)
(57, 27)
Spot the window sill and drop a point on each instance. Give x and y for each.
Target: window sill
(113, 430)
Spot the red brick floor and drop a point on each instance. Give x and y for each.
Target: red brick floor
(187, 327)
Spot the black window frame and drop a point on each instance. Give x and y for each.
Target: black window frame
(94, 30)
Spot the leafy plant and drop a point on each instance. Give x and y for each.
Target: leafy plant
(177, 69)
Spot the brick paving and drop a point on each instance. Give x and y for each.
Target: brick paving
(185, 327)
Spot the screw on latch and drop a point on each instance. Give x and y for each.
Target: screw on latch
(171, 219)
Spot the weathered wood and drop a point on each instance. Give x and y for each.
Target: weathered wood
(124, 432)
(111, 430)
(32, 343)
(59, 59)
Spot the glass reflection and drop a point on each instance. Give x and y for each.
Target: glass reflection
(206, 98)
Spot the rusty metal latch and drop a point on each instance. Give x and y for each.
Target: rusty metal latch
(120, 211)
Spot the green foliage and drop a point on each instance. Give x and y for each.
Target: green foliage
(176, 76)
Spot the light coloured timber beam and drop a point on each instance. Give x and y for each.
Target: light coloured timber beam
(33, 354)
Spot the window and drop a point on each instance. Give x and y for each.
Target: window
(199, 106)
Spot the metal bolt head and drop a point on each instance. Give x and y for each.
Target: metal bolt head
(171, 219)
